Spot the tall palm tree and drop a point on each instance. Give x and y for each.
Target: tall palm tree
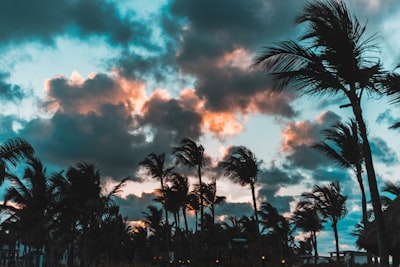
(307, 218)
(154, 164)
(192, 155)
(346, 151)
(242, 167)
(335, 59)
(330, 203)
(10, 152)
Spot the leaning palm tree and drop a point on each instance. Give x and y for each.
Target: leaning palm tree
(335, 59)
(330, 203)
(307, 218)
(10, 152)
(242, 167)
(346, 151)
(192, 155)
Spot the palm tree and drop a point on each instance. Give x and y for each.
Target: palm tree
(180, 190)
(154, 165)
(10, 152)
(34, 198)
(194, 205)
(241, 166)
(335, 59)
(192, 155)
(272, 219)
(347, 153)
(330, 203)
(211, 198)
(307, 218)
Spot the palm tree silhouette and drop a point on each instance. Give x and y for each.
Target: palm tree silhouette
(192, 155)
(272, 219)
(180, 193)
(306, 217)
(335, 59)
(211, 198)
(347, 153)
(10, 152)
(241, 166)
(330, 203)
(154, 165)
(34, 197)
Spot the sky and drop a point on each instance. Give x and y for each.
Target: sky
(109, 82)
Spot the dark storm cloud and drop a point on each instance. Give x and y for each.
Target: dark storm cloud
(43, 20)
(104, 139)
(10, 92)
(109, 121)
(216, 45)
(224, 25)
(167, 114)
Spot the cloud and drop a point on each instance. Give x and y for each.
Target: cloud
(382, 152)
(298, 137)
(386, 117)
(10, 92)
(43, 20)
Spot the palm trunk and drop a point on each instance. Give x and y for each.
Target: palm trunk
(166, 223)
(314, 241)
(201, 199)
(335, 231)
(197, 219)
(184, 217)
(373, 187)
(363, 205)
(255, 205)
(257, 223)
(213, 213)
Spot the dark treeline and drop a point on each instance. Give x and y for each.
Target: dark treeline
(69, 218)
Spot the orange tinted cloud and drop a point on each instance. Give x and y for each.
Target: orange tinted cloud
(78, 95)
(296, 134)
(219, 123)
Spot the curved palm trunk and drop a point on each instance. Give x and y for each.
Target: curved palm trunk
(373, 187)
